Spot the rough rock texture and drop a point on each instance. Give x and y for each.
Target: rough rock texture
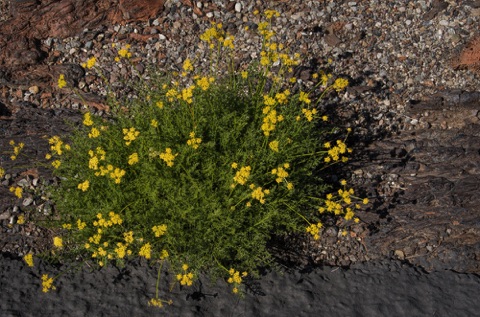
(469, 57)
(33, 20)
(427, 213)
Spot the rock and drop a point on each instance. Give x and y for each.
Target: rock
(469, 57)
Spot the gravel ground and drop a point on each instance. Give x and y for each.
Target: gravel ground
(391, 51)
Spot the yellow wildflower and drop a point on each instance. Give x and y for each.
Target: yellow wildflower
(28, 258)
(61, 81)
(84, 186)
(273, 145)
(242, 175)
(21, 219)
(58, 242)
(94, 133)
(145, 251)
(133, 159)
(87, 119)
(17, 191)
(168, 157)
(340, 84)
(47, 283)
(130, 135)
(159, 230)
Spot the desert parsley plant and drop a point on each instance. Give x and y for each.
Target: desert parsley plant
(201, 169)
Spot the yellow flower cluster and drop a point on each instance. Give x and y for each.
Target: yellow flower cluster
(273, 145)
(16, 149)
(47, 283)
(90, 63)
(186, 278)
(314, 230)
(62, 83)
(114, 172)
(335, 153)
(187, 94)
(17, 191)
(193, 141)
(235, 279)
(130, 135)
(258, 193)
(95, 158)
(124, 53)
(187, 65)
(28, 258)
(146, 251)
(133, 159)
(115, 219)
(157, 302)
(2, 172)
(168, 157)
(58, 242)
(81, 225)
(87, 119)
(84, 186)
(56, 146)
(281, 172)
(270, 120)
(309, 113)
(340, 84)
(94, 133)
(21, 219)
(216, 33)
(204, 82)
(159, 230)
(241, 175)
(271, 13)
(303, 97)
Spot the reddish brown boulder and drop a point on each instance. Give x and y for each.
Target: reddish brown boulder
(469, 57)
(31, 21)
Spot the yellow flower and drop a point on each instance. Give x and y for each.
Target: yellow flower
(193, 141)
(90, 62)
(159, 230)
(58, 242)
(87, 119)
(124, 52)
(156, 302)
(56, 164)
(2, 172)
(28, 258)
(273, 145)
(234, 165)
(94, 133)
(47, 283)
(186, 278)
(17, 191)
(164, 254)
(61, 81)
(145, 251)
(365, 201)
(168, 157)
(84, 186)
(154, 123)
(81, 225)
(187, 65)
(130, 135)
(242, 175)
(244, 74)
(21, 219)
(340, 84)
(159, 104)
(133, 159)
(128, 237)
(304, 97)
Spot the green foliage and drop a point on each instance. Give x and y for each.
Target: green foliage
(200, 169)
